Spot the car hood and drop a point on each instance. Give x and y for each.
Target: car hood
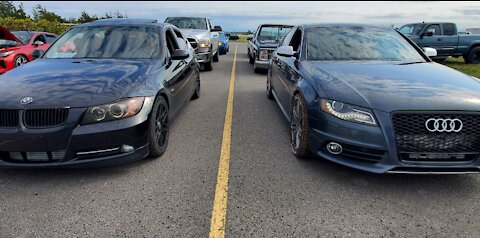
(388, 86)
(5, 34)
(199, 34)
(267, 45)
(71, 83)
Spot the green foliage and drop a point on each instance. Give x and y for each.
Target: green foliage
(459, 64)
(40, 13)
(8, 9)
(28, 24)
(85, 17)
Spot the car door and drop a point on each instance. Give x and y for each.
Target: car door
(434, 41)
(281, 74)
(176, 71)
(190, 71)
(449, 41)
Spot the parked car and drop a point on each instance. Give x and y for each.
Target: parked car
(367, 97)
(15, 47)
(444, 38)
(104, 93)
(266, 39)
(202, 36)
(233, 36)
(223, 43)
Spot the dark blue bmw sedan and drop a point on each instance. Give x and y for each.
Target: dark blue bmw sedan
(104, 93)
(367, 97)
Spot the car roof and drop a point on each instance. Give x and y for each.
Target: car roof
(429, 23)
(276, 25)
(122, 21)
(308, 26)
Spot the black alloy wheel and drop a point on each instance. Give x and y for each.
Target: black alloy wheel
(299, 127)
(158, 129)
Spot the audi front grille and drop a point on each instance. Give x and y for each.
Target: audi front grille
(438, 142)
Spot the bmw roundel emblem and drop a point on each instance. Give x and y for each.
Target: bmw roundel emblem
(26, 100)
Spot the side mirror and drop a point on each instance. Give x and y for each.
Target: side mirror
(37, 53)
(217, 28)
(179, 55)
(250, 38)
(38, 43)
(286, 51)
(430, 52)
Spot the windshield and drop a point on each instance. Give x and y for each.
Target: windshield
(411, 29)
(122, 42)
(188, 22)
(359, 43)
(273, 34)
(23, 36)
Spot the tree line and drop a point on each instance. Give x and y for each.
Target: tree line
(14, 18)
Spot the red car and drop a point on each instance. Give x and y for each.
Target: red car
(15, 47)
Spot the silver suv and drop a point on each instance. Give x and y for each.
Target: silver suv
(201, 35)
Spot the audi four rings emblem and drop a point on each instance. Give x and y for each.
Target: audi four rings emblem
(444, 125)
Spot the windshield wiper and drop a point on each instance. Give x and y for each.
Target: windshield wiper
(413, 62)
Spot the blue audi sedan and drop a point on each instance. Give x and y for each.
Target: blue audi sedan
(103, 94)
(368, 98)
(223, 43)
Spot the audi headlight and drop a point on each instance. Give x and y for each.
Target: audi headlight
(203, 43)
(118, 110)
(263, 54)
(348, 112)
(5, 54)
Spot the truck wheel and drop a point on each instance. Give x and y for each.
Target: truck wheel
(215, 56)
(251, 59)
(473, 56)
(208, 66)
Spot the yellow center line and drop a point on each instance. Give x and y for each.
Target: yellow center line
(219, 211)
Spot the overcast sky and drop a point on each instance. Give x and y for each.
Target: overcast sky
(242, 16)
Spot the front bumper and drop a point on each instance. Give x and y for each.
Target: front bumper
(373, 149)
(73, 145)
(203, 55)
(261, 64)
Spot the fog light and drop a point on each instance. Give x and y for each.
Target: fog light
(126, 148)
(334, 148)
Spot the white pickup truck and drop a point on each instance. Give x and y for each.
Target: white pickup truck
(202, 36)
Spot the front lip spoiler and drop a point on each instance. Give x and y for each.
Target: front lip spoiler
(432, 172)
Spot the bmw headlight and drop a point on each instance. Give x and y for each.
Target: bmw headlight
(348, 112)
(263, 54)
(5, 54)
(124, 108)
(204, 43)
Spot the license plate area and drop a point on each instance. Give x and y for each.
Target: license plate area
(436, 157)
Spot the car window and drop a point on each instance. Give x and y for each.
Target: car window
(188, 22)
(296, 40)
(171, 41)
(182, 42)
(50, 38)
(272, 34)
(24, 36)
(40, 38)
(288, 38)
(411, 29)
(122, 42)
(449, 29)
(436, 27)
(350, 43)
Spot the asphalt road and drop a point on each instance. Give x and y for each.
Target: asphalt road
(270, 193)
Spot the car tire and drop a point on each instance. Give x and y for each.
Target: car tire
(209, 65)
(251, 59)
(19, 60)
(269, 90)
(299, 127)
(215, 56)
(158, 128)
(256, 70)
(196, 93)
(440, 60)
(473, 57)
